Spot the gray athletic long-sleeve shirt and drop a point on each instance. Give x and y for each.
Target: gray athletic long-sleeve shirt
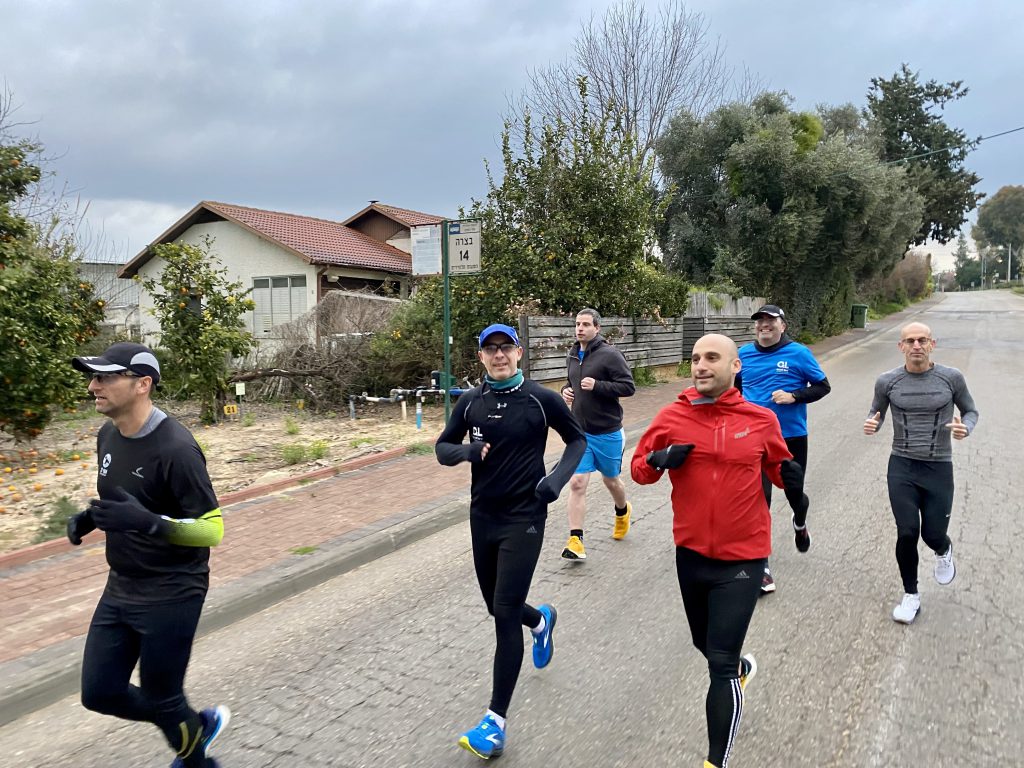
(922, 405)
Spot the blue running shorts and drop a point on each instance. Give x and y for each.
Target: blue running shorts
(603, 454)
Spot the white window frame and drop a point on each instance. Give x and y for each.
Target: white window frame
(277, 309)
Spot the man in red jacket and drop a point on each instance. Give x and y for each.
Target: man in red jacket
(721, 522)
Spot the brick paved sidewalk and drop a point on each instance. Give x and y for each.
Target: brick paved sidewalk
(338, 522)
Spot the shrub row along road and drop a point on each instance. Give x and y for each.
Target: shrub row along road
(386, 665)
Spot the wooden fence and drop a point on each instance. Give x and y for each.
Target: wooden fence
(649, 343)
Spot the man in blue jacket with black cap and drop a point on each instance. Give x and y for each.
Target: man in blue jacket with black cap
(782, 375)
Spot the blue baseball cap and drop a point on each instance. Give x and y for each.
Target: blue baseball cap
(490, 330)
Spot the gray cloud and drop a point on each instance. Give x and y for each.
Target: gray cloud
(314, 107)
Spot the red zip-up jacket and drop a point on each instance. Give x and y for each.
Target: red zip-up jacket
(717, 502)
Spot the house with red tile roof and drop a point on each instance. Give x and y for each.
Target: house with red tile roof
(291, 261)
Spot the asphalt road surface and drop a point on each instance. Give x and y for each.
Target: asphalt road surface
(386, 665)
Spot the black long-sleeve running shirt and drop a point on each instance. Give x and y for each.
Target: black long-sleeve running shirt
(515, 422)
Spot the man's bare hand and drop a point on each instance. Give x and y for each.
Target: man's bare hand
(567, 396)
(872, 422)
(588, 383)
(781, 397)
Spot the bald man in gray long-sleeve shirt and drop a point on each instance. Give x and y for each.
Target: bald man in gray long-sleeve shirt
(922, 396)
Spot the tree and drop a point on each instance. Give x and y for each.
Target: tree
(201, 328)
(767, 203)
(966, 267)
(46, 310)
(571, 223)
(902, 111)
(648, 66)
(1001, 225)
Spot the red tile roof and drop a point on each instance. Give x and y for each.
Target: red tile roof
(319, 240)
(401, 215)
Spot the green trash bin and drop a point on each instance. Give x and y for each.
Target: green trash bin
(859, 316)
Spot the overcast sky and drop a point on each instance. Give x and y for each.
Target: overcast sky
(318, 107)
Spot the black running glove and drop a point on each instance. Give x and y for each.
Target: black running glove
(475, 451)
(79, 526)
(124, 513)
(671, 457)
(544, 491)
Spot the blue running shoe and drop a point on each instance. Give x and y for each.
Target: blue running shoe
(214, 720)
(487, 740)
(544, 643)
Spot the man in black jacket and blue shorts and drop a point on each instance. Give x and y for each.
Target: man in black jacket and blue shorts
(598, 376)
(507, 419)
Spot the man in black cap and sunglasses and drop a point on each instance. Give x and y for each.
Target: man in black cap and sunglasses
(159, 512)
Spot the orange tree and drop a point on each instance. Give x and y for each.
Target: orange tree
(201, 327)
(46, 310)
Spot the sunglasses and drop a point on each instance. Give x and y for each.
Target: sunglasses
(492, 349)
(103, 378)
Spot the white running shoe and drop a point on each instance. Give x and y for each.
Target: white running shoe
(907, 611)
(945, 568)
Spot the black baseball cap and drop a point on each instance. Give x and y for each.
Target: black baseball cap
(123, 356)
(771, 310)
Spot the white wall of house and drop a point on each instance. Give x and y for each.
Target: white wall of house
(402, 241)
(246, 258)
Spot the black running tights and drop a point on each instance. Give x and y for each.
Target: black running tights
(921, 495)
(159, 639)
(798, 447)
(719, 598)
(505, 556)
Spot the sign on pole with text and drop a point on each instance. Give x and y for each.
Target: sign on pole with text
(426, 249)
(464, 247)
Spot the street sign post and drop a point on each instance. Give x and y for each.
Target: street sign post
(460, 243)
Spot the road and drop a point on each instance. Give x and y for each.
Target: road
(386, 665)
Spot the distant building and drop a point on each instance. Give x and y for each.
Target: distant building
(292, 261)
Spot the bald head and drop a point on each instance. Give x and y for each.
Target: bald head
(916, 344)
(714, 364)
(917, 330)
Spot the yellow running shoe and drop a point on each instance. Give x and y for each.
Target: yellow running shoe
(622, 523)
(748, 668)
(574, 549)
(709, 765)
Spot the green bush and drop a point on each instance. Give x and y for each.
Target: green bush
(318, 449)
(644, 376)
(293, 454)
(291, 427)
(683, 369)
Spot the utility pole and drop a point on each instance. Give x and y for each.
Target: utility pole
(1009, 260)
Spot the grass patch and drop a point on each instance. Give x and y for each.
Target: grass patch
(1019, 290)
(204, 447)
(318, 449)
(55, 520)
(877, 312)
(420, 449)
(303, 550)
(291, 426)
(248, 419)
(293, 454)
(359, 442)
(683, 369)
(644, 376)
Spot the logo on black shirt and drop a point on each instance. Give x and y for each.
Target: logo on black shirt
(103, 467)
